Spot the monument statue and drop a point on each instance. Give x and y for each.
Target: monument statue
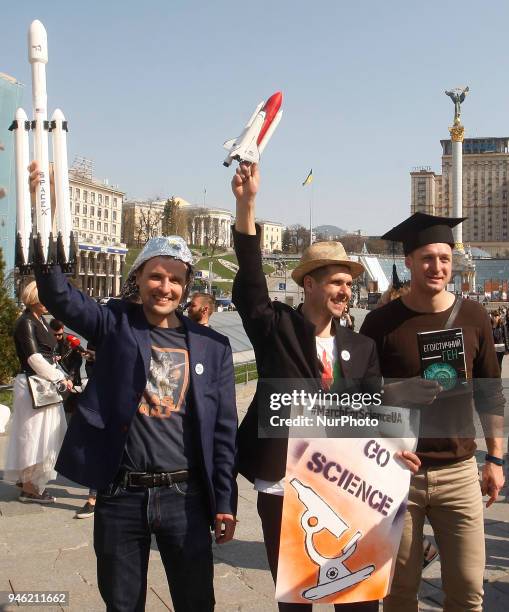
(457, 95)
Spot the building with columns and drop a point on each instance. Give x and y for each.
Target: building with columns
(96, 208)
(271, 236)
(100, 269)
(207, 226)
(485, 192)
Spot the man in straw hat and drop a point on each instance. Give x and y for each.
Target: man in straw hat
(302, 344)
(446, 489)
(154, 430)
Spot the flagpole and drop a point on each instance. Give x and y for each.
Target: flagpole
(308, 180)
(311, 215)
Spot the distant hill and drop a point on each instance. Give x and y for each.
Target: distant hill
(329, 231)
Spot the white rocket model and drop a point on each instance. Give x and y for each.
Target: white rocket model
(257, 133)
(38, 244)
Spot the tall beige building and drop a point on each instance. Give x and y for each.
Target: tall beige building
(96, 209)
(426, 190)
(485, 188)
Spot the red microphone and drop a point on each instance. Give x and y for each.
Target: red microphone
(75, 343)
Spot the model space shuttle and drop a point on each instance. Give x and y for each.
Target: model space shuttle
(45, 239)
(252, 141)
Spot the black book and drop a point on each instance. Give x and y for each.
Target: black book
(442, 355)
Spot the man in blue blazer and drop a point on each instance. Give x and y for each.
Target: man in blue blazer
(154, 431)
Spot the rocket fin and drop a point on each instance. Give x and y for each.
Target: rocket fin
(229, 144)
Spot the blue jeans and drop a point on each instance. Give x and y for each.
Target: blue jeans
(178, 517)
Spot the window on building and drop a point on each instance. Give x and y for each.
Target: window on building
(114, 215)
(92, 197)
(107, 200)
(115, 202)
(77, 209)
(84, 209)
(105, 227)
(92, 211)
(77, 193)
(84, 223)
(70, 192)
(99, 213)
(75, 222)
(85, 195)
(91, 226)
(98, 226)
(106, 213)
(100, 199)
(114, 229)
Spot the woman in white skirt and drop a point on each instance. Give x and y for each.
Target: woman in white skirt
(35, 435)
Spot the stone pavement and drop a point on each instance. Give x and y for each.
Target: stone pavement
(45, 548)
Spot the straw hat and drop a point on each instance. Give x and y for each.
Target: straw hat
(322, 254)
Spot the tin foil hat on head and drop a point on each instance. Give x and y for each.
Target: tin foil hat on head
(160, 246)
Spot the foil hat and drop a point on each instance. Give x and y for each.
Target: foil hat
(160, 246)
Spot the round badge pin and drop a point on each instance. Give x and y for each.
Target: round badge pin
(345, 355)
(198, 368)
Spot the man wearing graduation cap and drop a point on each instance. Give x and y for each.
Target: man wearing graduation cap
(446, 489)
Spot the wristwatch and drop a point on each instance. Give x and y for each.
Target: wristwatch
(493, 459)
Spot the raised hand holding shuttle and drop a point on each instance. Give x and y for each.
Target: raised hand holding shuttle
(245, 184)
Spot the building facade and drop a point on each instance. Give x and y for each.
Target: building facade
(209, 226)
(200, 226)
(143, 219)
(100, 269)
(96, 209)
(485, 192)
(426, 190)
(271, 236)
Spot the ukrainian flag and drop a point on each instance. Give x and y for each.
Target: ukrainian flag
(309, 178)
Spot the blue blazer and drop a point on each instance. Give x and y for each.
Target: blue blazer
(93, 446)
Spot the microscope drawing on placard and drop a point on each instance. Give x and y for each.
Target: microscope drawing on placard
(333, 575)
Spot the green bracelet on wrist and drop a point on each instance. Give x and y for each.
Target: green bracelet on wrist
(493, 459)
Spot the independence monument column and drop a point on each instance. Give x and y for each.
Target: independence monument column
(457, 132)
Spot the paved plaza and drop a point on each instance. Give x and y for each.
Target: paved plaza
(45, 548)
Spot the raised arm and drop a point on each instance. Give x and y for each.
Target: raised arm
(78, 311)
(250, 294)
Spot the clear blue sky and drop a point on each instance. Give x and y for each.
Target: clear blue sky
(152, 89)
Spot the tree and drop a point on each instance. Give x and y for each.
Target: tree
(287, 241)
(295, 239)
(211, 233)
(169, 220)
(148, 225)
(9, 364)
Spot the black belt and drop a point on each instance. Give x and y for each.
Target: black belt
(148, 479)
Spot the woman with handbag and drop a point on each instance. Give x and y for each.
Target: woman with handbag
(38, 423)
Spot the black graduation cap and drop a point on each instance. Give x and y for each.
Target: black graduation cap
(421, 229)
